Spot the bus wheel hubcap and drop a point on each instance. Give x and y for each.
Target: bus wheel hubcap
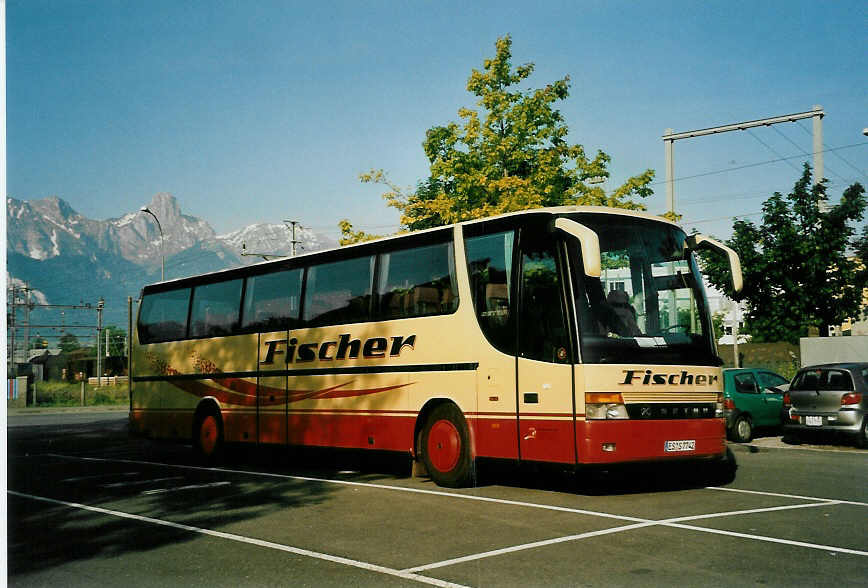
(444, 446)
(208, 435)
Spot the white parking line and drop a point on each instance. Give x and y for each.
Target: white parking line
(730, 513)
(665, 523)
(248, 540)
(190, 487)
(140, 482)
(796, 496)
(98, 476)
(768, 539)
(514, 548)
(366, 485)
(675, 522)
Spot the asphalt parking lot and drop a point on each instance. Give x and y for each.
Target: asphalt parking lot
(88, 505)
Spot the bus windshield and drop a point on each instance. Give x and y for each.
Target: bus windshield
(649, 305)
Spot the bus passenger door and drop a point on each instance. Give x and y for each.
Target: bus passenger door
(546, 413)
(271, 389)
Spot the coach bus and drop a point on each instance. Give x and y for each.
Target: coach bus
(569, 335)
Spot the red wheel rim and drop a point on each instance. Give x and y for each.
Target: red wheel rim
(208, 434)
(444, 446)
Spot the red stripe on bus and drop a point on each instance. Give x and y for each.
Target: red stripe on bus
(234, 398)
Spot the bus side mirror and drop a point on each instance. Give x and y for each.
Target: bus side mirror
(589, 242)
(698, 241)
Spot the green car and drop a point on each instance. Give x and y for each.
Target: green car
(753, 397)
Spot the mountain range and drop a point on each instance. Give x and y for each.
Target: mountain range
(69, 259)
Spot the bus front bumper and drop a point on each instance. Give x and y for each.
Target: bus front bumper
(616, 441)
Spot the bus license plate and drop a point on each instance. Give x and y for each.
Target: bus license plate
(814, 421)
(683, 445)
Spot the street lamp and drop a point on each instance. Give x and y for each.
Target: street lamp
(162, 251)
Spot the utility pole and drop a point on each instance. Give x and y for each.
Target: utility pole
(818, 144)
(127, 347)
(736, 315)
(99, 308)
(12, 370)
(669, 138)
(27, 307)
(291, 227)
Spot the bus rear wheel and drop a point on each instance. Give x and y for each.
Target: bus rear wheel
(208, 435)
(446, 447)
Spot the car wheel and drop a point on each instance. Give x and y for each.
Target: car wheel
(862, 441)
(791, 439)
(742, 431)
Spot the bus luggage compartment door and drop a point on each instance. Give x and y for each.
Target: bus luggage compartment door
(546, 424)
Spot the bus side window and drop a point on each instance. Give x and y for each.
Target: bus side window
(489, 265)
(417, 282)
(163, 316)
(339, 292)
(215, 309)
(271, 301)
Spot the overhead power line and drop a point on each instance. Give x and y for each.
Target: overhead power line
(757, 164)
(805, 153)
(769, 147)
(841, 157)
(719, 218)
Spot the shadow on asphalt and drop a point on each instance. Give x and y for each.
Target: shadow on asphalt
(623, 479)
(821, 439)
(44, 535)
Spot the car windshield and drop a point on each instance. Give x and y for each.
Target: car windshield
(649, 303)
(819, 379)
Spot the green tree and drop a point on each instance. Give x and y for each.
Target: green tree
(117, 341)
(39, 342)
(69, 343)
(797, 270)
(349, 236)
(717, 323)
(512, 154)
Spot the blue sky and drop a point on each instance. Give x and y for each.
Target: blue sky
(260, 111)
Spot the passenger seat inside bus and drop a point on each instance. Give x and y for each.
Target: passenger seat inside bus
(619, 301)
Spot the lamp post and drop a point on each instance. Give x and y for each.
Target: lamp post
(162, 251)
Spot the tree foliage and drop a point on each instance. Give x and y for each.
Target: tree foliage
(69, 343)
(799, 265)
(349, 236)
(511, 154)
(117, 338)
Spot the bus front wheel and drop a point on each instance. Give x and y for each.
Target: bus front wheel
(208, 435)
(446, 447)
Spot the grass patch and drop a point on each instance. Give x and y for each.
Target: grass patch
(69, 394)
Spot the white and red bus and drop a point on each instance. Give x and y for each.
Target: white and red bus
(570, 335)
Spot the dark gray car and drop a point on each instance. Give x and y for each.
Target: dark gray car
(830, 397)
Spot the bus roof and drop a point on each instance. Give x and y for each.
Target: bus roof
(553, 211)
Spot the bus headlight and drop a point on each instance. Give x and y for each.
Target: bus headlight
(605, 406)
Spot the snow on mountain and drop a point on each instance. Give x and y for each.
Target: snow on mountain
(69, 257)
(273, 239)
